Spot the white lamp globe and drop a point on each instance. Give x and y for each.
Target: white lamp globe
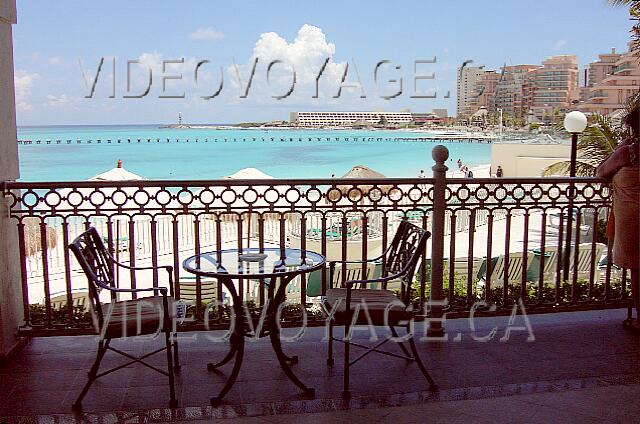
(575, 122)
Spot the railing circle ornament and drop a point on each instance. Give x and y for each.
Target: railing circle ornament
(75, 198)
(536, 192)
(30, 199)
(53, 199)
(271, 196)
(482, 193)
(463, 193)
(415, 194)
(588, 192)
(141, 197)
(119, 197)
(97, 198)
(500, 193)
(313, 195)
(250, 196)
(292, 195)
(519, 193)
(395, 194)
(554, 193)
(185, 197)
(206, 197)
(163, 197)
(334, 195)
(228, 196)
(355, 194)
(375, 194)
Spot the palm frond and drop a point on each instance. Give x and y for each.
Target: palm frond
(620, 2)
(595, 144)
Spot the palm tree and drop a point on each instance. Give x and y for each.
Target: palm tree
(634, 11)
(599, 140)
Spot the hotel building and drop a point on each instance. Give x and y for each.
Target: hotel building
(485, 91)
(512, 90)
(612, 80)
(520, 90)
(337, 119)
(553, 87)
(467, 87)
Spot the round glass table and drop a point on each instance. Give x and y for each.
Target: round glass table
(277, 265)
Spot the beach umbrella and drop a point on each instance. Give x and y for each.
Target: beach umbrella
(117, 174)
(360, 172)
(250, 174)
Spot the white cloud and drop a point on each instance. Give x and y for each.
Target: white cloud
(55, 60)
(207, 34)
(23, 82)
(560, 44)
(307, 54)
(58, 101)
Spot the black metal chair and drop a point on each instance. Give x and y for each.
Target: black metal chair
(143, 316)
(350, 305)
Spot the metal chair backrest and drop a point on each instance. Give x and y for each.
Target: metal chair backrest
(404, 253)
(97, 264)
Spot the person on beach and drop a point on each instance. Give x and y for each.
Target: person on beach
(499, 172)
(459, 163)
(421, 175)
(623, 170)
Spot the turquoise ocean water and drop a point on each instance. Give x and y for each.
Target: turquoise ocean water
(289, 155)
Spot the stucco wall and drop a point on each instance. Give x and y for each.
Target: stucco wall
(527, 160)
(10, 288)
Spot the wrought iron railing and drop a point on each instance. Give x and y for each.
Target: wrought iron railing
(502, 238)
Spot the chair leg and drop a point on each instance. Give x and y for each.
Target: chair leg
(394, 333)
(176, 358)
(346, 394)
(173, 402)
(102, 349)
(432, 385)
(330, 350)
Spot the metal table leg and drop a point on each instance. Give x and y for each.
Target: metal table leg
(274, 335)
(237, 344)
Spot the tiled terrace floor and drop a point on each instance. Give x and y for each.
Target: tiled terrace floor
(583, 359)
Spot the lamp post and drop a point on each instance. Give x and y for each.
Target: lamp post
(574, 122)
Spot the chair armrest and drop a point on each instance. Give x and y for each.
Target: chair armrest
(169, 268)
(354, 262)
(349, 284)
(163, 290)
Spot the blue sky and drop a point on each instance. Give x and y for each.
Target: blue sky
(51, 37)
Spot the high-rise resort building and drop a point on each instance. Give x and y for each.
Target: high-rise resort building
(554, 87)
(520, 90)
(467, 86)
(485, 90)
(340, 119)
(612, 80)
(512, 90)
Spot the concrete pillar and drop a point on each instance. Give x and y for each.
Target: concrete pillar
(11, 311)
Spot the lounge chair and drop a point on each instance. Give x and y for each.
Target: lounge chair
(513, 272)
